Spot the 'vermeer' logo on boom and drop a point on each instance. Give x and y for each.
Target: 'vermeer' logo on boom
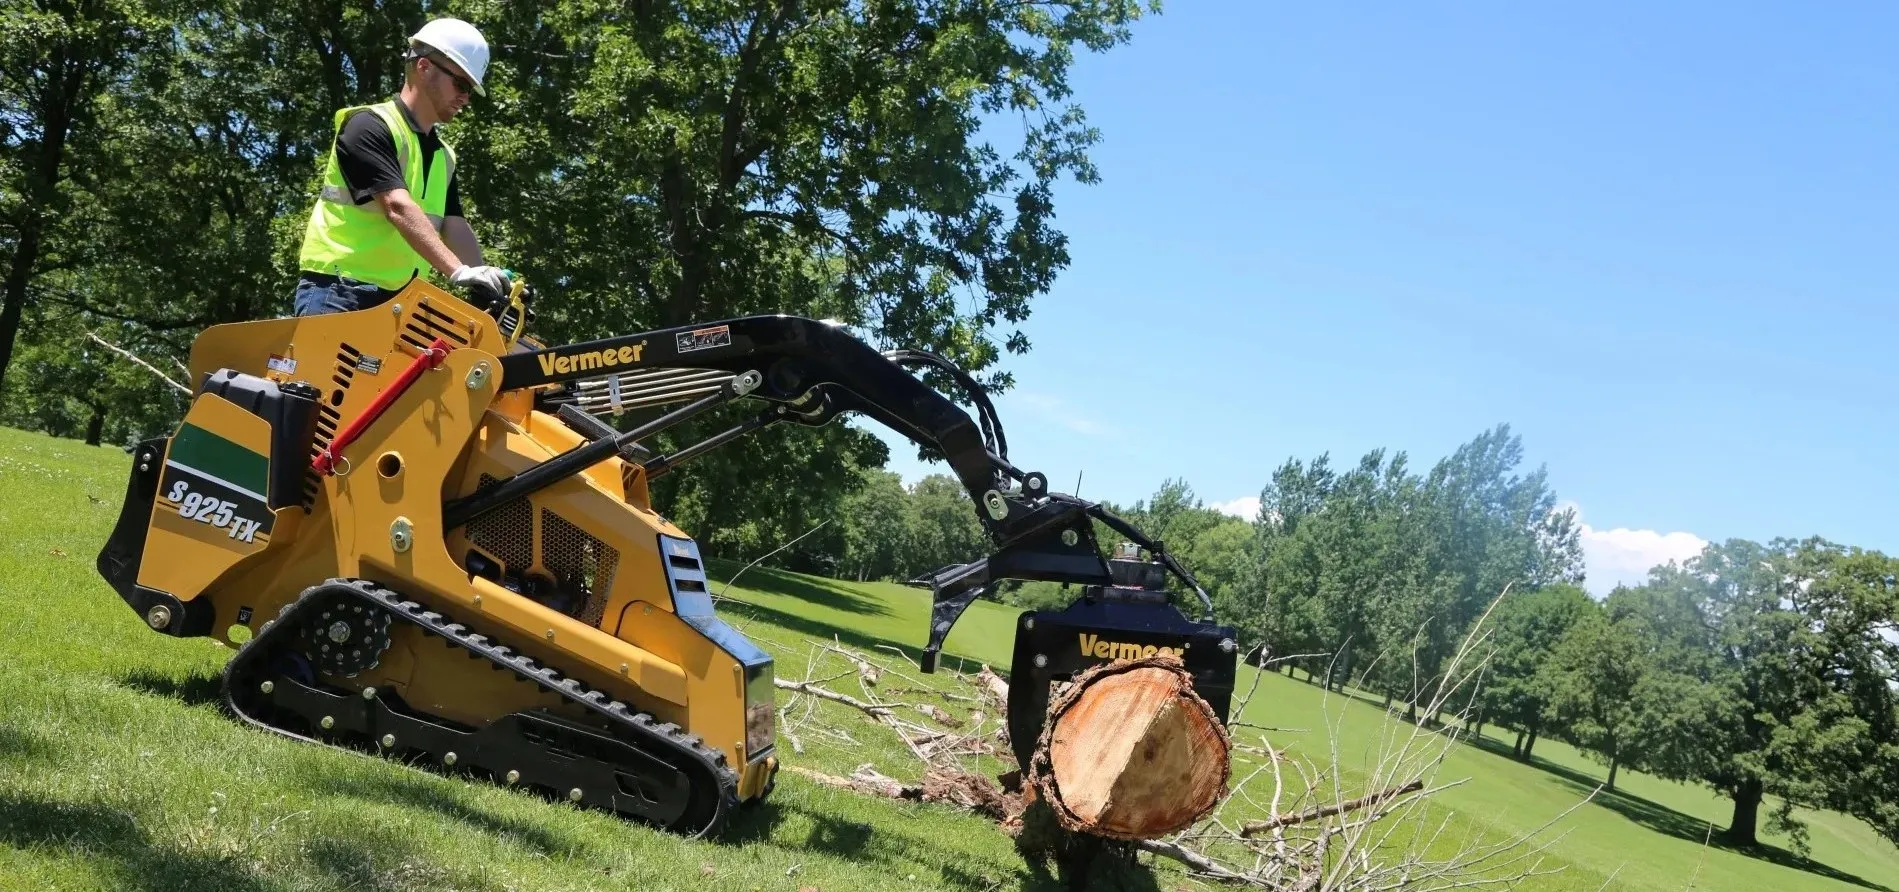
(553, 364)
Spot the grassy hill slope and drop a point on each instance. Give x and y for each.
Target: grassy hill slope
(117, 769)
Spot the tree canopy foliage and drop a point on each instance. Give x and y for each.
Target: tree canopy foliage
(1759, 670)
(890, 164)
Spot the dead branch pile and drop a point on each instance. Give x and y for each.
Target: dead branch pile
(1297, 816)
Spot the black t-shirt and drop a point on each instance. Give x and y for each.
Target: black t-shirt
(367, 154)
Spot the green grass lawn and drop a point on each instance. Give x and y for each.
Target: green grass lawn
(118, 770)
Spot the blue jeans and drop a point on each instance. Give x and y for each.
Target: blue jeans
(319, 293)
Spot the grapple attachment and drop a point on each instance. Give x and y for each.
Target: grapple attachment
(1131, 618)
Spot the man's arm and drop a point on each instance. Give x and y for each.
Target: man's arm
(416, 229)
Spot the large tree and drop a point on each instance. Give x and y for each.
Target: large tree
(1383, 570)
(1799, 657)
(880, 528)
(1595, 671)
(58, 61)
(191, 165)
(947, 531)
(1526, 629)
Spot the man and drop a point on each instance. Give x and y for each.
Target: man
(389, 207)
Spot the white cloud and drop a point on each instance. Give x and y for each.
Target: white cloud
(1623, 555)
(1245, 507)
(1061, 413)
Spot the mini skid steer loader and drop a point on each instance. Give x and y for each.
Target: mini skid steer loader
(422, 539)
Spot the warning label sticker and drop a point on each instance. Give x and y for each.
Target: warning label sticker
(703, 338)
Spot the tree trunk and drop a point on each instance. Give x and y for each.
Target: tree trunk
(1529, 746)
(60, 99)
(1747, 807)
(24, 256)
(1516, 750)
(1129, 751)
(1614, 763)
(95, 426)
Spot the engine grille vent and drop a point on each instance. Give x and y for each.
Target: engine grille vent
(581, 565)
(506, 532)
(427, 323)
(329, 417)
(579, 561)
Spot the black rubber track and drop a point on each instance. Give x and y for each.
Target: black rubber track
(635, 765)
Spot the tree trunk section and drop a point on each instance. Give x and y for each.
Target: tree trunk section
(1614, 763)
(95, 426)
(1130, 752)
(1516, 749)
(25, 255)
(1747, 807)
(1529, 746)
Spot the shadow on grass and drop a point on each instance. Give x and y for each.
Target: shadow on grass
(745, 610)
(22, 743)
(421, 793)
(864, 843)
(193, 690)
(111, 842)
(825, 592)
(378, 864)
(350, 865)
(1667, 821)
(751, 823)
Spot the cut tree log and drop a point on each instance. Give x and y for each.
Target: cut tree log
(1130, 752)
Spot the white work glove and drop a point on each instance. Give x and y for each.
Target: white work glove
(488, 282)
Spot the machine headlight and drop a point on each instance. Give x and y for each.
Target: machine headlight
(761, 709)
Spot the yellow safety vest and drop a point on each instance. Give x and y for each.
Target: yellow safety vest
(345, 239)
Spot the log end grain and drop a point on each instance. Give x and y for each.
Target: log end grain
(1129, 751)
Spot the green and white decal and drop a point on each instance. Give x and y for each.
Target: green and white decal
(214, 481)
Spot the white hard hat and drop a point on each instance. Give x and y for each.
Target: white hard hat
(461, 43)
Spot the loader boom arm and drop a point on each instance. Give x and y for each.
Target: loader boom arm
(797, 357)
(815, 371)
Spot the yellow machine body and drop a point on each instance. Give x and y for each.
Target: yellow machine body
(217, 553)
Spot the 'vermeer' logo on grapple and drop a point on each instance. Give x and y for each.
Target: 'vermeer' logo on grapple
(552, 364)
(1101, 648)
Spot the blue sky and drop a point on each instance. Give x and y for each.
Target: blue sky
(1658, 242)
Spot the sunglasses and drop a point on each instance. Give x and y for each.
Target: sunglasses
(462, 84)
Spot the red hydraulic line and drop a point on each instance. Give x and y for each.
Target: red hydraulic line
(325, 461)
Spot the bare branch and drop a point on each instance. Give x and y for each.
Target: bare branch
(134, 357)
(1254, 828)
(878, 710)
(1201, 863)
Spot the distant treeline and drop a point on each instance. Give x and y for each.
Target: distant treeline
(1765, 671)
